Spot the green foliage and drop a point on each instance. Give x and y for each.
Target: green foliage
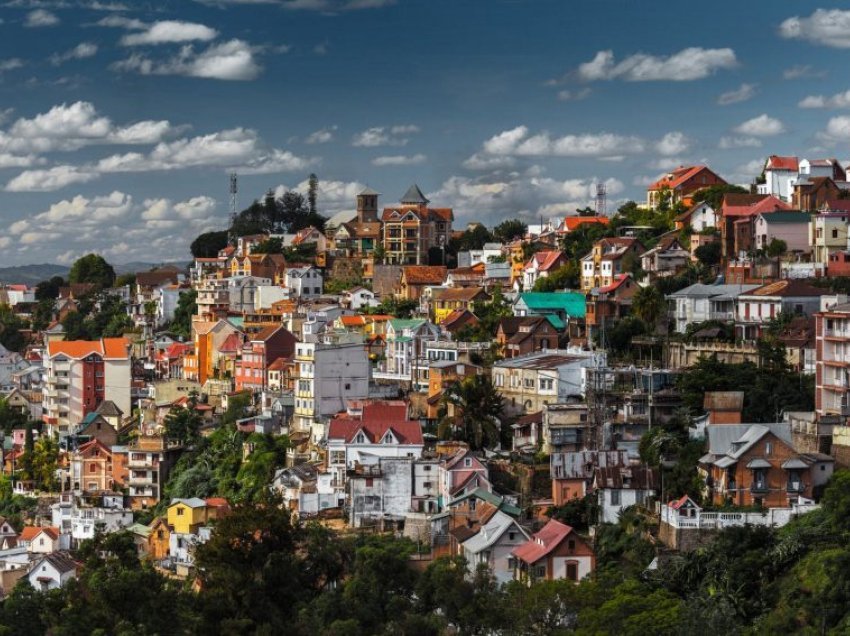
(11, 417)
(269, 246)
(567, 276)
(709, 254)
(182, 423)
(287, 214)
(42, 314)
(100, 316)
(92, 268)
(208, 244)
(618, 339)
(713, 195)
(10, 329)
(648, 304)
(509, 230)
(187, 305)
(49, 289)
(579, 513)
(479, 415)
(391, 306)
(45, 461)
(776, 247)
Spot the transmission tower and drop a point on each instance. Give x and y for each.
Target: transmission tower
(234, 190)
(601, 193)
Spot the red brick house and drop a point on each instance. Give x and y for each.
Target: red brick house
(258, 353)
(555, 552)
(518, 335)
(681, 182)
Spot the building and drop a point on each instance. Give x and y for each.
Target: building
(304, 282)
(791, 227)
(493, 545)
(564, 309)
(698, 303)
(52, 571)
(699, 217)
(813, 192)
(555, 552)
(832, 370)
(149, 464)
(532, 381)
(411, 230)
(757, 307)
(757, 465)
(257, 355)
(667, 258)
(381, 492)
(80, 375)
(572, 472)
(415, 278)
(607, 260)
(780, 175)
(605, 305)
(828, 231)
(445, 301)
(736, 221)
(541, 265)
(522, 335)
(405, 349)
(679, 183)
(619, 487)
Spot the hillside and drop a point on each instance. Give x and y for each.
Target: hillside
(31, 274)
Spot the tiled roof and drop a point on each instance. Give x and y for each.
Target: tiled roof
(788, 288)
(424, 274)
(743, 208)
(572, 222)
(405, 431)
(467, 294)
(543, 542)
(775, 162)
(677, 177)
(110, 348)
(545, 260)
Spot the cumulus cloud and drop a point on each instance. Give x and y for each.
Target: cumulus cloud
(49, 180)
(673, 143)
(839, 100)
(400, 160)
(169, 32)
(481, 161)
(80, 52)
(728, 143)
(688, 64)
(385, 136)
(837, 128)
(322, 136)
(741, 94)
(518, 142)
(827, 27)
(41, 18)
(761, 126)
(232, 61)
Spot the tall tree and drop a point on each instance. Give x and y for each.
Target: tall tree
(92, 268)
(478, 410)
(313, 193)
(648, 304)
(208, 244)
(510, 229)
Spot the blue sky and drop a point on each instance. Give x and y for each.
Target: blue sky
(120, 120)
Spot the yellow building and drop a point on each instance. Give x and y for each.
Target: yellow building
(185, 516)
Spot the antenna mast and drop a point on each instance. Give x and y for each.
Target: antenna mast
(234, 190)
(601, 194)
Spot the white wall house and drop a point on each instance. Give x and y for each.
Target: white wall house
(698, 303)
(620, 487)
(493, 544)
(304, 282)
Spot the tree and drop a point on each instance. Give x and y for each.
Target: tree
(28, 458)
(208, 244)
(92, 269)
(45, 460)
(509, 230)
(709, 254)
(312, 192)
(269, 246)
(186, 308)
(776, 247)
(10, 329)
(379, 254)
(478, 411)
(49, 289)
(182, 423)
(648, 304)
(713, 195)
(567, 276)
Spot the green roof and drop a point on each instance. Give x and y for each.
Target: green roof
(410, 323)
(572, 303)
(492, 498)
(556, 322)
(786, 217)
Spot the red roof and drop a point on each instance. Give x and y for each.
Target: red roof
(110, 348)
(619, 279)
(766, 204)
(405, 431)
(837, 205)
(232, 343)
(572, 222)
(31, 532)
(676, 177)
(675, 505)
(543, 542)
(178, 350)
(545, 260)
(775, 162)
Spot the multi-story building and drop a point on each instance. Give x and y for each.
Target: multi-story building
(698, 303)
(149, 463)
(304, 282)
(80, 375)
(780, 174)
(258, 353)
(530, 382)
(213, 299)
(412, 229)
(329, 372)
(405, 347)
(757, 307)
(605, 261)
(360, 235)
(832, 366)
(828, 231)
(681, 182)
(203, 362)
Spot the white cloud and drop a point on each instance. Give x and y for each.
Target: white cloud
(80, 52)
(827, 27)
(667, 163)
(276, 161)
(322, 136)
(837, 128)
(839, 100)
(48, 180)
(802, 71)
(727, 143)
(233, 61)
(170, 31)
(673, 143)
(399, 160)
(517, 142)
(741, 94)
(10, 64)
(481, 161)
(688, 64)
(41, 18)
(574, 96)
(384, 136)
(761, 126)
(121, 22)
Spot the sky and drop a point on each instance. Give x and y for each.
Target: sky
(120, 120)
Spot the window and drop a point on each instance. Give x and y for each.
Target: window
(834, 232)
(369, 482)
(467, 462)
(511, 536)
(427, 468)
(571, 545)
(180, 512)
(768, 449)
(540, 571)
(615, 497)
(426, 484)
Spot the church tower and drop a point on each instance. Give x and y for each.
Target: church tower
(367, 206)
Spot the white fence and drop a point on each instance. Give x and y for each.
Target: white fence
(776, 517)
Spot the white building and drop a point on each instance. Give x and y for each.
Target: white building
(243, 290)
(304, 282)
(619, 487)
(474, 257)
(698, 303)
(52, 571)
(358, 298)
(780, 175)
(405, 350)
(492, 546)
(80, 522)
(328, 374)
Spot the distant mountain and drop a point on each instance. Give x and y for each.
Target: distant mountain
(31, 274)
(141, 266)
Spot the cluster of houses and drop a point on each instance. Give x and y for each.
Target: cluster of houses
(360, 393)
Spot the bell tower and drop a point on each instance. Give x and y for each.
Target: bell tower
(367, 206)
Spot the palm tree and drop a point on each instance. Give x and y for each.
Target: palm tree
(475, 409)
(648, 304)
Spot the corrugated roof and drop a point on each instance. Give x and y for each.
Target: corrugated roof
(543, 542)
(572, 303)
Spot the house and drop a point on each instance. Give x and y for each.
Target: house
(91, 467)
(529, 382)
(159, 539)
(380, 492)
(757, 465)
(605, 305)
(521, 335)
(667, 258)
(492, 546)
(465, 514)
(737, 212)
(208, 336)
(565, 310)
(472, 276)
(150, 459)
(381, 429)
(698, 303)
(360, 235)
(828, 231)
(679, 183)
(304, 282)
(822, 168)
(754, 309)
(541, 265)
(444, 301)
(258, 353)
(411, 230)
(52, 571)
(457, 320)
(41, 540)
(567, 427)
(405, 346)
(441, 375)
(811, 193)
(620, 487)
(572, 473)
(555, 552)
(358, 298)
(609, 258)
(790, 226)
(573, 223)
(304, 490)
(415, 278)
(96, 426)
(780, 174)
(699, 217)
(461, 473)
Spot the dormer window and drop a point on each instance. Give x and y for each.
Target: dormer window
(360, 439)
